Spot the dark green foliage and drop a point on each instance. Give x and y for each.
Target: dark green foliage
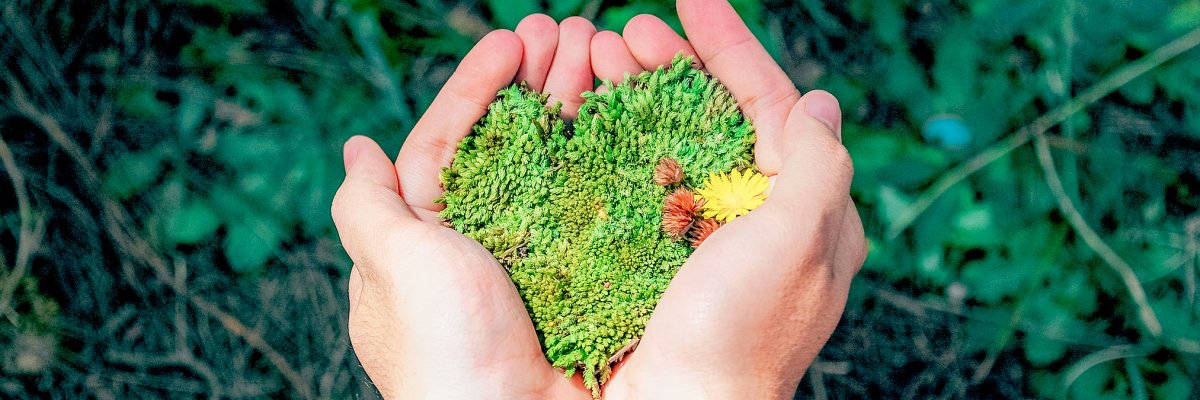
(573, 212)
(1032, 304)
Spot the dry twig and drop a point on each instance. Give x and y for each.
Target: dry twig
(30, 235)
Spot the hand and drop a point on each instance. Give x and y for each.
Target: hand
(432, 314)
(752, 307)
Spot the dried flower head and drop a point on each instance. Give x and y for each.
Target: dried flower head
(731, 195)
(668, 172)
(679, 210)
(701, 229)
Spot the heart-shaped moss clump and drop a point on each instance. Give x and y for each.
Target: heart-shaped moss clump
(574, 212)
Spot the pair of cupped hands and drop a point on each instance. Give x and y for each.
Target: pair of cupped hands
(433, 315)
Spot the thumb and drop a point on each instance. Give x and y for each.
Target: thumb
(817, 170)
(368, 203)
(808, 202)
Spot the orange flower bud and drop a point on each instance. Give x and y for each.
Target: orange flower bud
(679, 210)
(701, 229)
(668, 172)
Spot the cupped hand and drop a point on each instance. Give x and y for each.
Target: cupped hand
(752, 307)
(432, 314)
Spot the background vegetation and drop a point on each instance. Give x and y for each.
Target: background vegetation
(1028, 174)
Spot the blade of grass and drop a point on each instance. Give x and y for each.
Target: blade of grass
(28, 239)
(1092, 360)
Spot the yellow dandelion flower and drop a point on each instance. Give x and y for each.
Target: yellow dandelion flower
(731, 195)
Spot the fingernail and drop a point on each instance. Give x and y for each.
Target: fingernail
(350, 153)
(824, 107)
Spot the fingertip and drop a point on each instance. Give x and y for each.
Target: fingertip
(606, 40)
(537, 24)
(653, 43)
(498, 55)
(369, 197)
(350, 151)
(611, 59)
(641, 23)
(502, 42)
(366, 162)
(578, 23)
(824, 107)
(813, 123)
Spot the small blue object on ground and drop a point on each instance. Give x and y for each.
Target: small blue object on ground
(948, 131)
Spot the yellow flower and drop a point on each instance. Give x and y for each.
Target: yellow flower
(728, 196)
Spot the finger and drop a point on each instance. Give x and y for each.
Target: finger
(571, 73)
(489, 67)
(368, 201)
(653, 43)
(825, 108)
(733, 55)
(539, 35)
(611, 59)
(816, 170)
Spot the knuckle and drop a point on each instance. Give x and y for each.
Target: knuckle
(397, 234)
(761, 103)
(340, 205)
(860, 255)
(841, 161)
(837, 159)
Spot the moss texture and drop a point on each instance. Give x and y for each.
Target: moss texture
(572, 210)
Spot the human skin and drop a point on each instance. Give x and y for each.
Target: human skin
(433, 315)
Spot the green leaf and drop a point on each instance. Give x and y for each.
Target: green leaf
(1096, 383)
(955, 69)
(561, 9)
(974, 227)
(616, 18)
(192, 223)
(1041, 351)
(1176, 386)
(990, 281)
(508, 13)
(192, 110)
(931, 266)
(909, 86)
(893, 204)
(234, 7)
(1185, 15)
(1140, 90)
(142, 101)
(132, 173)
(250, 243)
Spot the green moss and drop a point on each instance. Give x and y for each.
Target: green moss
(572, 211)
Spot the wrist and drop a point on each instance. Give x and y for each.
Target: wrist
(647, 379)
